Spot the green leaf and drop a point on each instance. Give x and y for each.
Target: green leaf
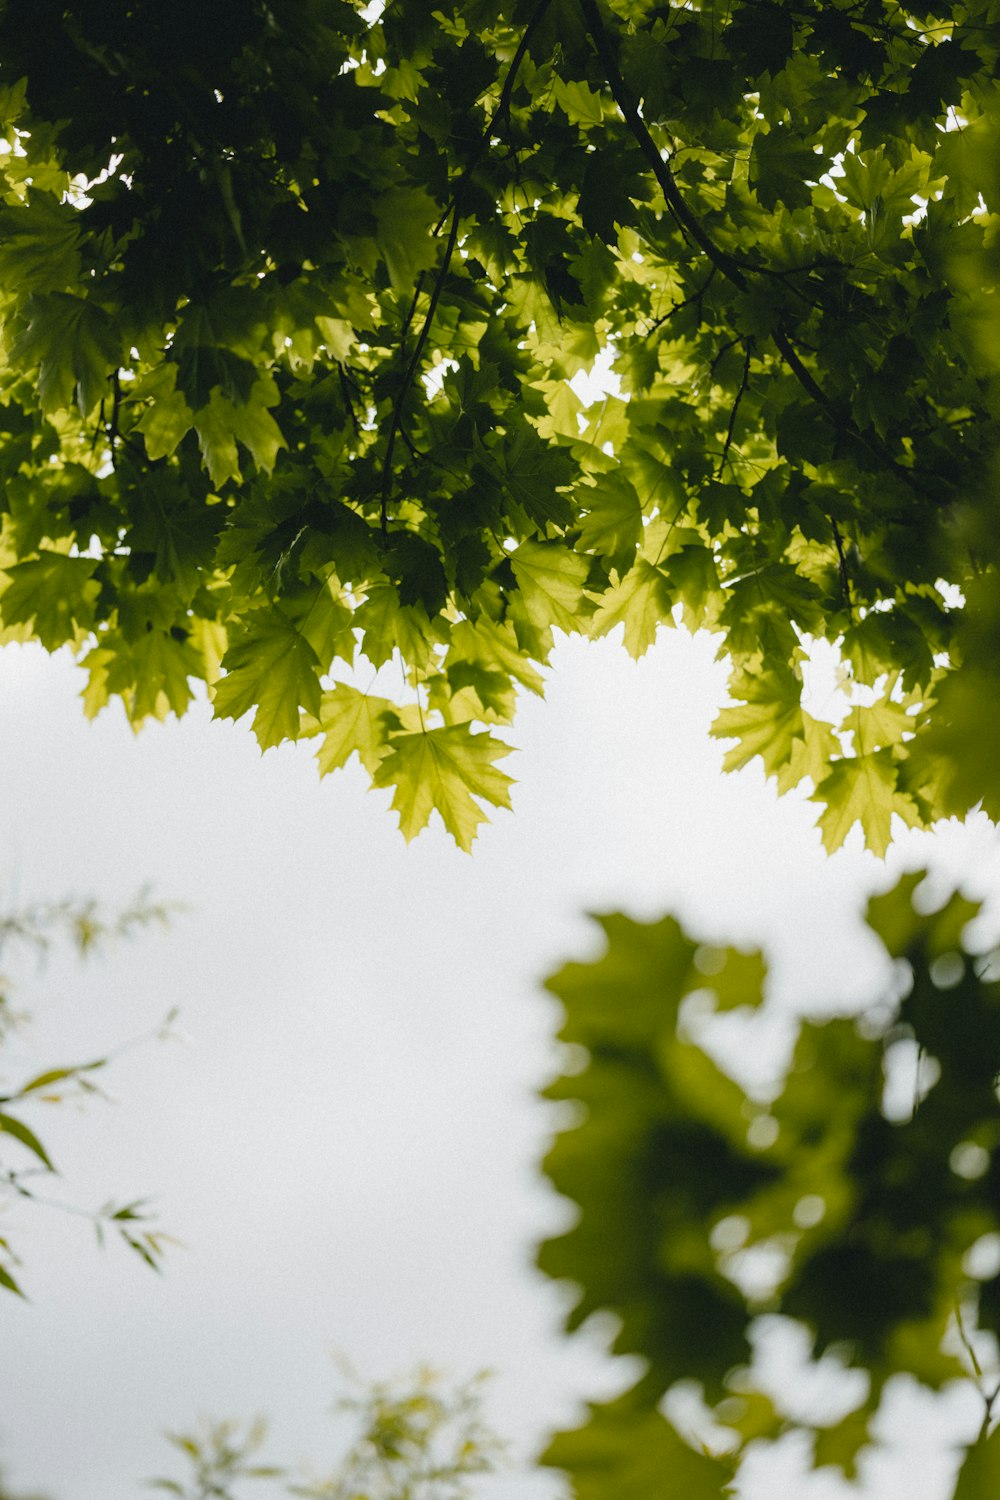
(388, 626)
(582, 105)
(612, 524)
(221, 424)
(271, 669)
(623, 1452)
(39, 242)
(781, 168)
(55, 593)
(444, 769)
(979, 1475)
(44, 1080)
(531, 473)
(405, 218)
(551, 582)
(353, 722)
(861, 789)
(8, 1283)
(74, 346)
(9, 1125)
(768, 723)
(641, 601)
(168, 418)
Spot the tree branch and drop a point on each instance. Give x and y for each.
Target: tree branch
(689, 225)
(736, 406)
(696, 296)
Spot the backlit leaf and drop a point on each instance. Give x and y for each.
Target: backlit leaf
(444, 769)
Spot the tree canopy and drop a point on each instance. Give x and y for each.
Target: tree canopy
(293, 304)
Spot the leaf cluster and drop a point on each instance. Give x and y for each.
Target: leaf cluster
(293, 306)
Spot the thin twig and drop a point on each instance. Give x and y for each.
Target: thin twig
(411, 369)
(416, 296)
(845, 584)
(723, 350)
(345, 392)
(736, 406)
(695, 296)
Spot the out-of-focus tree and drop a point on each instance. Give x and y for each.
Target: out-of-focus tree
(417, 1440)
(858, 1198)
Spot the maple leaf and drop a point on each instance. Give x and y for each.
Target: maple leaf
(168, 417)
(54, 593)
(352, 723)
(162, 668)
(862, 789)
(75, 346)
(271, 668)
(39, 241)
(492, 646)
(641, 601)
(812, 753)
(222, 422)
(446, 769)
(768, 723)
(612, 524)
(405, 217)
(551, 582)
(388, 626)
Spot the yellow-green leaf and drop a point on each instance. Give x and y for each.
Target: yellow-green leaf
(352, 722)
(551, 581)
(55, 592)
(861, 789)
(979, 1476)
(641, 601)
(445, 769)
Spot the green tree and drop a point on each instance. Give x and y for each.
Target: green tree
(294, 306)
(861, 1199)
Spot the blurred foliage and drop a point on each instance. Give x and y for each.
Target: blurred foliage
(88, 928)
(293, 309)
(416, 1441)
(8, 1494)
(861, 1200)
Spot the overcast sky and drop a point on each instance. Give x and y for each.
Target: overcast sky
(348, 1146)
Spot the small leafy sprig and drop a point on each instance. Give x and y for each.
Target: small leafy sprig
(89, 929)
(417, 1440)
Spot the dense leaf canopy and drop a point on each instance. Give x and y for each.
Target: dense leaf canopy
(860, 1201)
(293, 309)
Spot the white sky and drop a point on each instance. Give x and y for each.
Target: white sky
(348, 1147)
